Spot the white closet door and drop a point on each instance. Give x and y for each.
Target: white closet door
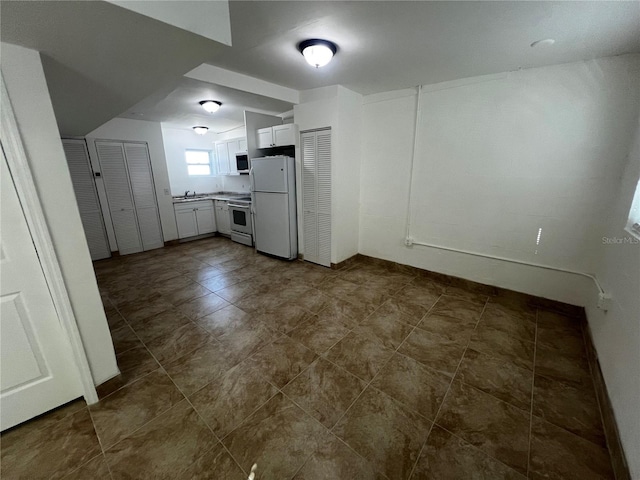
(316, 196)
(323, 186)
(309, 199)
(144, 195)
(87, 198)
(116, 181)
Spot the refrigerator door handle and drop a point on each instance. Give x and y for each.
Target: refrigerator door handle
(251, 186)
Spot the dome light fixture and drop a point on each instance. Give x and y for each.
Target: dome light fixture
(317, 52)
(211, 106)
(201, 130)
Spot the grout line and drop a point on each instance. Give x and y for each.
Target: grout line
(378, 372)
(480, 450)
(533, 382)
(444, 399)
(102, 452)
(207, 424)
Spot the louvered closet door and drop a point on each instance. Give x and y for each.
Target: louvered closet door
(87, 198)
(144, 195)
(309, 198)
(116, 182)
(316, 196)
(323, 155)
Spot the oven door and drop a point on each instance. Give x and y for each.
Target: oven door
(240, 216)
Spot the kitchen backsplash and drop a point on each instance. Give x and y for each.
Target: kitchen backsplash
(239, 183)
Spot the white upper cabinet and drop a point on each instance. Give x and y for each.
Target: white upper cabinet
(265, 137)
(285, 134)
(222, 158)
(226, 155)
(277, 136)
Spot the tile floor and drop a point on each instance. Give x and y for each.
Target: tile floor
(230, 358)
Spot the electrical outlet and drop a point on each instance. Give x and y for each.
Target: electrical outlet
(408, 241)
(167, 191)
(604, 301)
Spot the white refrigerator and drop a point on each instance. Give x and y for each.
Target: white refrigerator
(273, 202)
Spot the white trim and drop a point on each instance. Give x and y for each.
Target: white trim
(28, 195)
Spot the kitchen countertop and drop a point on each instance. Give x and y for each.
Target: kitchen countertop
(211, 196)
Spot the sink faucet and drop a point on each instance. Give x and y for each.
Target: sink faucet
(186, 194)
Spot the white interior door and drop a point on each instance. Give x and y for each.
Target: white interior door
(87, 198)
(37, 370)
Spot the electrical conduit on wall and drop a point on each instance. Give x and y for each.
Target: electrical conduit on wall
(410, 241)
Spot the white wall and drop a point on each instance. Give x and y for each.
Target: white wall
(26, 84)
(346, 174)
(137, 130)
(340, 109)
(176, 141)
(498, 158)
(616, 333)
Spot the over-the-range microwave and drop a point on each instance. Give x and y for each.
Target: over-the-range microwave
(243, 164)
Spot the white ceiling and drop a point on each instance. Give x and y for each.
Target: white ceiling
(102, 61)
(99, 59)
(177, 106)
(388, 45)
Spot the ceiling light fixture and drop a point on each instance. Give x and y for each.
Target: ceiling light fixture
(317, 52)
(211, 106)
(547, 42)
(200, 130)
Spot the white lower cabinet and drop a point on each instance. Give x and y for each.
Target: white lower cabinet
(195, 218)
(222, 217)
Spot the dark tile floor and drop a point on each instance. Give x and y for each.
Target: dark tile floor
(230, 358)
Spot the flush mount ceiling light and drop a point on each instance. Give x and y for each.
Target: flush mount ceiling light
(211, 106)
(200, 130)
(547, 42)
(317, 52)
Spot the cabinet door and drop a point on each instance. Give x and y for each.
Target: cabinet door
(222, 217)
(186, 222)
(265, 137)
(284, 135)
(205, 219)
(233, 147)
(222, 158)
(116, 182)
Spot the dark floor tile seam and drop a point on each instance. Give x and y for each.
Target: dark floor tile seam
(101, 454)
(444, 398)
(533, 388)
(102, 450)
(376, 375)
(163, 335)
(459, 438)
(487, 393)
(130, 434)
(208, 427)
